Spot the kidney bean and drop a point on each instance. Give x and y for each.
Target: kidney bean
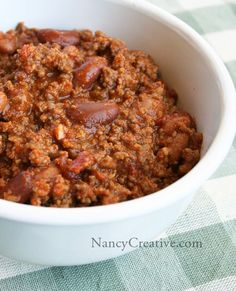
(3, 102)
(88, 72)
(62, 37)
(91, 114)
(7, 44)
(21, 186)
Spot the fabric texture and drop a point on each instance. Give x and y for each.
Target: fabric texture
(210, 219)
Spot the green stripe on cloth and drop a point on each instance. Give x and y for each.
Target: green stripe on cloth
(131, 272)
(152, 269)
(232, 68)
(100, 276)
(216, 259)
(233, 6)
(228, 167)
(170, 5)
(188, 18)
(200, 213)
(210, 19)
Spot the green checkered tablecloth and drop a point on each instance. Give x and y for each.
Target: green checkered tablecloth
(210, 219)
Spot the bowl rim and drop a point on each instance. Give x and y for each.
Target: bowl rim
(171, 194)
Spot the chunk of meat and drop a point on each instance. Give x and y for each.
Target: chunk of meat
(62, 37)
(44, 183)
(170, 123)
(99, 175)
(149, 108)
(175, 131)
(190, 158)
(3, 102)
(88, 72)
(176, 147)
(71, 169)
(7, 43)
(83, 161)
(91, 114)
(20, 101)
(20, 186)
(48, 173)
(59, 132)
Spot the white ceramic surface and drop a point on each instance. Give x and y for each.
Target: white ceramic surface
(63, 236)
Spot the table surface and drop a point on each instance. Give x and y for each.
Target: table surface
(210, 219)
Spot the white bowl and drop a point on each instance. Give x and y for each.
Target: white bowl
(64, 236)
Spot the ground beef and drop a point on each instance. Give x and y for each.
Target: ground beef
(85, 121)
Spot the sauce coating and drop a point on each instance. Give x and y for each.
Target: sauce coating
(85, 121)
